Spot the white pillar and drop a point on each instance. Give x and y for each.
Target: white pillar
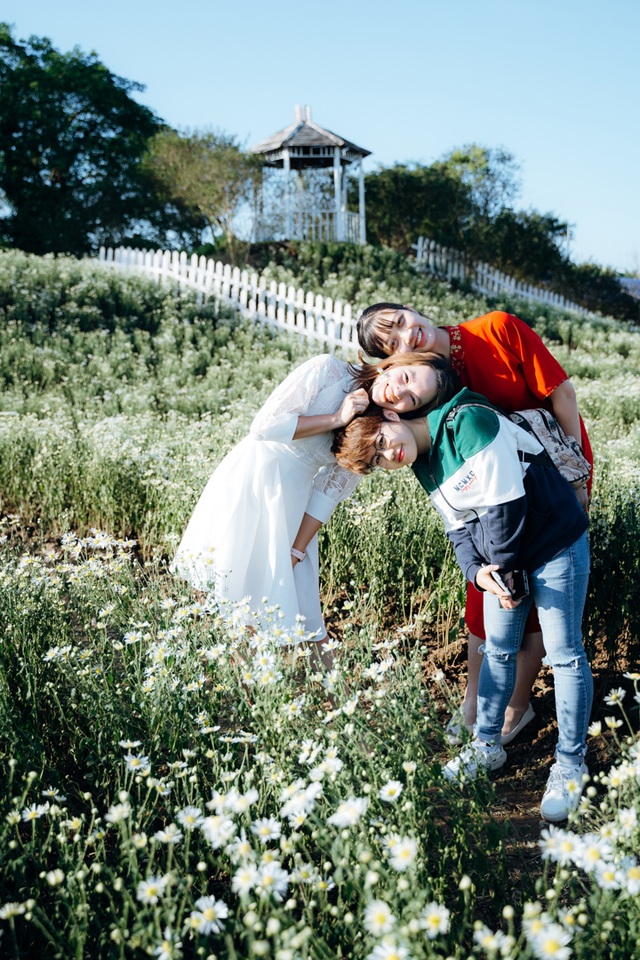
(363, 225)
(287, 194)
(337, 172)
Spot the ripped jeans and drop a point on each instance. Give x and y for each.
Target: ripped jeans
(559, 589)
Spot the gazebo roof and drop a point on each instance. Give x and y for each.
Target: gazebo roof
(308, 145)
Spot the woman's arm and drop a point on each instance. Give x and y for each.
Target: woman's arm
(353, 403)
(308, 529)
(564, 405)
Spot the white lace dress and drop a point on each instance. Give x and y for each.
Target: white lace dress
(238, 541)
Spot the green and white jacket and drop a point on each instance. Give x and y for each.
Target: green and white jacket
(496, 508)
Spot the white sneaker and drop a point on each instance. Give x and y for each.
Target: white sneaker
(473, 758)
(563, 791)
(454, 728)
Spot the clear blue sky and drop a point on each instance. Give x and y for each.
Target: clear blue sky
(556, 82)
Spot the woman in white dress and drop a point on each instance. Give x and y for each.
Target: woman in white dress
(253, 534)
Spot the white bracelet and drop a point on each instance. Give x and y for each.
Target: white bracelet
(298, 554)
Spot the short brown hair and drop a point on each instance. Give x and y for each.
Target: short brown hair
(447, 382)
(352, 444)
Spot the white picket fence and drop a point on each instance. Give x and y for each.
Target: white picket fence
(253, 295)
(308, 314)
(452, 264)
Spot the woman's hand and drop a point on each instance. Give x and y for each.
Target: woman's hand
(353, 404)
(486, 582)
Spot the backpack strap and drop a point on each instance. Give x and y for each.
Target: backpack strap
(542, 459)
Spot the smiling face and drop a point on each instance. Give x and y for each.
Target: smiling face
(405, 388)
(404, 331)
(394, 446)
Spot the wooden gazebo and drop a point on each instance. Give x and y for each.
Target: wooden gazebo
(304, 206)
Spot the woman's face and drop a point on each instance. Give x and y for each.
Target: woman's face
(405, 388)
(409, 332)
(394, 447)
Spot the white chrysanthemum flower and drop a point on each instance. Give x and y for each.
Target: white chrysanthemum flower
(209, 916)
(35, 811)
(391, 791)
(608, 876)
(53, 794)
(266, 829)
(592, 850)
(170, 835)
(631, 875)
(12, 909)
(169, 948)
(349, 812)
(137, 764)
(615, 697)
(272, 880)
(403, 854)
(378, 918)
(291, 790)
(559, 845)
(55, 877)
(305, 873)
(435, 920)
(612, 723)
(628, 820)
(118, 812)
(487, 940)
(244, 879)
(149, 891)
(240, 802)
(389, 950)
(551, 943)
(218, 830)
(190, 817)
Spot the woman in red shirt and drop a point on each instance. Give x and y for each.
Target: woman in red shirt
(501, 357)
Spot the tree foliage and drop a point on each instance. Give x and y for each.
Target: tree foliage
(71, 142)
(404, 202)
(206, 172)
(525, 244)
(464, 201)
(490, 176)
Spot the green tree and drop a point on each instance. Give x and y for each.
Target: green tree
(404, 202)
(524, 244)
(490, 175)
(207, 173)
(596, 288)
(71, 142)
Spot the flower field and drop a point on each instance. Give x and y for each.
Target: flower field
(172, 788)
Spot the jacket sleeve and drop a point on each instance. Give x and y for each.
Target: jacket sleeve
(498, 530)
(489, 530)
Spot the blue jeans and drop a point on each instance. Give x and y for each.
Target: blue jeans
(559, 589)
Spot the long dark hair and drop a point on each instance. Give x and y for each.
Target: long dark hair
(447, 381)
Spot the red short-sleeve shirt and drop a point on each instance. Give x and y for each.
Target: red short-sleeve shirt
(501, 357)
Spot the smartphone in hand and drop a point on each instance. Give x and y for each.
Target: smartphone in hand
(520, 583)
